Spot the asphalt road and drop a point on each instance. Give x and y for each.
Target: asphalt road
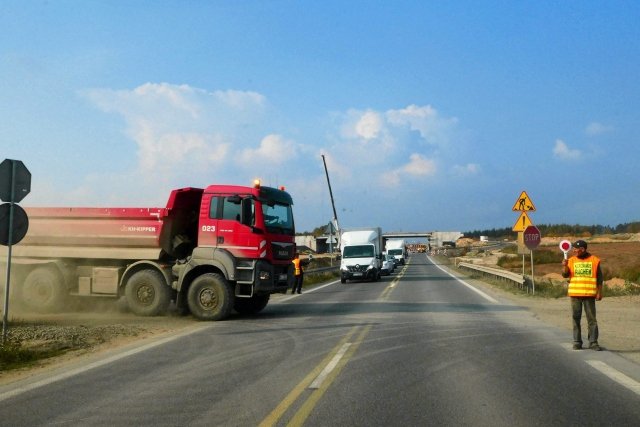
(417, 348)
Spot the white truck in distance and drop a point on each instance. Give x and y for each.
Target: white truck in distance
(361, 254)
(397, 248)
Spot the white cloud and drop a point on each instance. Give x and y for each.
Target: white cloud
(595, 128)
(369, 126)
(181, 131)
(562, 151)
(465, 170)
(419, 166)
(273, 149)
(433, 128)
(386, 142)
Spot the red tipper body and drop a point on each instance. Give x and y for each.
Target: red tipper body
(245, 235)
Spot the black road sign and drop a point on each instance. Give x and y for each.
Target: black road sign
(20, 224)
(20, 183)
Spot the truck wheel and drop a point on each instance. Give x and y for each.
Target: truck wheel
(43, 290)
(147, 293)
(252, 305)
(210, 297)
(343, 280)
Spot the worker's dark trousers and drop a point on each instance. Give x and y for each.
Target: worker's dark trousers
(297, 284)
(589, 304)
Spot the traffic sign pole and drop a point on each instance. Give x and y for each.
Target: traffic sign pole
(15, 184)
(5, 311)
(533, 278)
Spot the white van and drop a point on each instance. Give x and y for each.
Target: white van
(398, 249)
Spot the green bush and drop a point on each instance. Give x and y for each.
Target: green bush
(539, 257)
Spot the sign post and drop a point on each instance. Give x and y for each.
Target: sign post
(15, 184)
(523, 204)
(532, 239)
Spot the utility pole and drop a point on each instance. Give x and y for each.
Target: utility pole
(335, 215)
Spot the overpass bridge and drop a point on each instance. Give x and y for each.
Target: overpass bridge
(435, 238)
(327, 243)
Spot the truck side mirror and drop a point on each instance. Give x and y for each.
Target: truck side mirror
(247, 217)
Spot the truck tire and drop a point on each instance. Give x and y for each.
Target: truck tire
(147, 293)
(210, 297)
(43, 290)
(343, 280)
(252, 305)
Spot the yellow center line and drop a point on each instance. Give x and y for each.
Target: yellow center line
(323, 375)
(387, 291)
(279, 410)
(303, 413)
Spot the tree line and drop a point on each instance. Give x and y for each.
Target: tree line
(559, 230)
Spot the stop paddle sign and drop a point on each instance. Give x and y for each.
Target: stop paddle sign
(565, 246)
(531, 237)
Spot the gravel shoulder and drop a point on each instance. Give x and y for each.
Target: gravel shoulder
(80, 336)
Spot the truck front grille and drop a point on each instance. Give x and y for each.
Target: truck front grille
(282, 250)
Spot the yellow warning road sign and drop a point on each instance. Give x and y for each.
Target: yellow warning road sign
(522, 223)
(523, 203)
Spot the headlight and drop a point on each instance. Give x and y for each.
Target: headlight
(265, 275)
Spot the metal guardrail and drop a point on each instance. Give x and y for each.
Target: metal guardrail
(503, 274)
(322, 269)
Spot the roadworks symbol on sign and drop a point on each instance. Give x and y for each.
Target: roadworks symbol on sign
(523, 203)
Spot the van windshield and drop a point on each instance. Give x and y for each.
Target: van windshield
(395, 251)
(358, 251)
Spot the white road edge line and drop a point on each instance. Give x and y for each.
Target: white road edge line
(96, 364)
(616, 375)
(309, 291)
(478, 291)
(330, 366)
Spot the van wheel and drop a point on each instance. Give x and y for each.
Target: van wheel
(252, 305)
(147, 293)
(210, 297)
(43, 290)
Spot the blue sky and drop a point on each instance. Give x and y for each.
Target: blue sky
(432, 115)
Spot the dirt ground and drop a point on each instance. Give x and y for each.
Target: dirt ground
(84, 335)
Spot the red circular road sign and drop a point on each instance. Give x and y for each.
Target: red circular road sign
(531, 237)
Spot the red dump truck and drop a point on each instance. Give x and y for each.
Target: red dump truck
(210, 250)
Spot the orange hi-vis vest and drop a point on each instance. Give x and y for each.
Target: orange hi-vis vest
(296, 264)
(583, 276)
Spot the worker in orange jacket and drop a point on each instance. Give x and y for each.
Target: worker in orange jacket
(298, 266)
(585, 288)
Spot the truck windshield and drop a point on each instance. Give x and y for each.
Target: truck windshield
(358, 251)
(278, 218)
(395, 251)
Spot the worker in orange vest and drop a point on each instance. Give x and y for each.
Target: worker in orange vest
(298, 266)
(585, 288)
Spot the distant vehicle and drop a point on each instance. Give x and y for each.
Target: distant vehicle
(397, 248)
(388, 265)
(448, 244)
(361, 254)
